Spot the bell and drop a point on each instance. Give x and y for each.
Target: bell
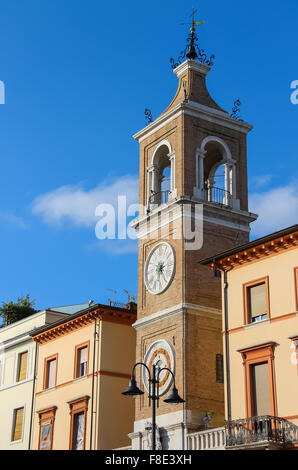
(133, 390)
(191, 54)
(174, 397)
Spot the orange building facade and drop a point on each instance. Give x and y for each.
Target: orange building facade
(83, 366)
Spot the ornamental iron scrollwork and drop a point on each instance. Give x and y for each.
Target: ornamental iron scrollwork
(193, 51)
(148, 116)
(236, 110)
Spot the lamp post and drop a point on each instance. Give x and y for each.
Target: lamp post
(154, 381)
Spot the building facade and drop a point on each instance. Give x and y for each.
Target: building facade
(17, 363)
(182, 155)
(84, 364)
(260, 330)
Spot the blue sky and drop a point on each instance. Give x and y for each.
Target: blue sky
(78, 76)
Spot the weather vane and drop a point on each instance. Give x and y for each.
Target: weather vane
(194, 22)
(192, 50)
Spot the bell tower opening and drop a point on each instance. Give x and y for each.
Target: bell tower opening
(160, 176)
(216, 174)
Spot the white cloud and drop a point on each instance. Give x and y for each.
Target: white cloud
(116, 247)
(260, 181)
(76, 205)
(10, 219)
(277, 209)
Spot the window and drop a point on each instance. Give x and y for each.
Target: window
(50, 372)
(18, 419)
(256, 301)
(81, 360)
(294, 347)
(46, 428)
(259, 376)
(261, 391)
(296, 286)
(78, 418)
(219, 369)
(22, 366)
(78, 432)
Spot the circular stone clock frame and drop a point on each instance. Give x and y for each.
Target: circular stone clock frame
(164, 350)
(170, 277)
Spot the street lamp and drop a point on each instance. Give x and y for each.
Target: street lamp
(134, 391)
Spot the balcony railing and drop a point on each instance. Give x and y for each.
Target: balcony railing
(124, 448)
(260, 429)
(156, 199)
(218, 195)
(212, 439)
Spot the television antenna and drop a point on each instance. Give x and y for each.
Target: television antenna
(115, 296)
(130, 298)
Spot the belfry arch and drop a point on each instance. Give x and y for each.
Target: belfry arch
(216, 173)
(161, 174)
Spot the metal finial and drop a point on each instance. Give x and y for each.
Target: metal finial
(192, 50)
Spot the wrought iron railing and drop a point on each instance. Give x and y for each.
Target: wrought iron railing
(159, 198)
(259, 429)
(218, 195)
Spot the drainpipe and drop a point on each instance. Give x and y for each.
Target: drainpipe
(227, 346)
(92, 394)
(98, 336)
(33, 395)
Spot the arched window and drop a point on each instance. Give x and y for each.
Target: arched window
(160, 176)
(216, 173)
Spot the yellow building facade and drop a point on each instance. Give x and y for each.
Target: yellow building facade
(84, 363)
(260, 331)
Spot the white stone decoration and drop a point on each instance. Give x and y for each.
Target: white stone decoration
(162, 354)
(160, 268)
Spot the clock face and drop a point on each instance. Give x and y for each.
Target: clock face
(160, 268)
(161, 354)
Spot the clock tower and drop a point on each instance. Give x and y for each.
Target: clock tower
(193, 199)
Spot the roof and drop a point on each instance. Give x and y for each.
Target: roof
(69, 309)
(251, 245)
(76, 320)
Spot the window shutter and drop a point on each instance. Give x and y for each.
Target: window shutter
(51, 373)
(258, 302)
(18, 424)
(262, 402)
(22, 370)
(83, 355)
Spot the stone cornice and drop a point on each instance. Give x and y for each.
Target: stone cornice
(214, 213)
(196, 110)
(255, 253)
(191, 65)
(269, 345)
(73, 324)
(172, 312)
(11, 342)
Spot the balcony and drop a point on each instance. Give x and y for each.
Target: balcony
(211, 439)
(157, 199)
(260, 432)
(218, 196)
